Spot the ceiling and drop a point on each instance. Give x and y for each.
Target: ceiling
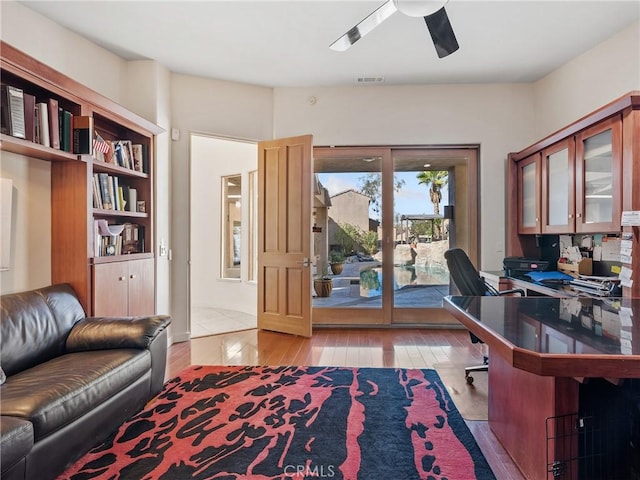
(286, 43)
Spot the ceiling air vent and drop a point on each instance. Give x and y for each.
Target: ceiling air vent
(370, 79)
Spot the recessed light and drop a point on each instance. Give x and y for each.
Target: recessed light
(427, 165)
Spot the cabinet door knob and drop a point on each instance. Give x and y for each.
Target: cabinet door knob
(132, 276)
(578, 215)
(571, 215)
(120, 279)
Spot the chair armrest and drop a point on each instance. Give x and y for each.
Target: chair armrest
(513, 290)
(101, 333)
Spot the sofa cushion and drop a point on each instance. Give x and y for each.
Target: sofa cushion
(34, 326)
(56, 393)
(16, 440)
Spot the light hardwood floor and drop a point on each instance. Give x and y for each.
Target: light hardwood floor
(363, 347)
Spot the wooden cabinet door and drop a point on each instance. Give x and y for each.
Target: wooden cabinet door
(558, 187)
(141, 287)
(599, 177)
(529, 194)
(110, 289)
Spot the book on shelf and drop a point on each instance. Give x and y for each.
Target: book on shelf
(12, 114)
(97, 197)
(82, 135)
(54, 123)
(42, 124)
(138, 157)
(66, 131)
(29, 117)
(104, 191)
(133, 199)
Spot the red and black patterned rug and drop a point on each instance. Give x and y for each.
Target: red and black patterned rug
(269, 423)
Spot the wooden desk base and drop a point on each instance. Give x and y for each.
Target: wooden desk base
(519, 404)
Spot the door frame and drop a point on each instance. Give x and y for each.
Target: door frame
(464, 194)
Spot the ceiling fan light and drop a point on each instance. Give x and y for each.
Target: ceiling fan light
(419, 8)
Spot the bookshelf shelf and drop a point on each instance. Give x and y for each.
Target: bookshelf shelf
(34, 150)
(121, 258)
(100, 212)
(104, 167)
(80, 253)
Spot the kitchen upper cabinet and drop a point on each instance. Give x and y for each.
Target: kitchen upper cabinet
(574, 185)
(599, 177)
(558, 187)
(529, 173)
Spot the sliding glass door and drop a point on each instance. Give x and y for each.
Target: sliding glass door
(387, 215)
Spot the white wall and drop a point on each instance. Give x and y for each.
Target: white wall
(212, 158)
(499, 117)
(200, 105)
(63, 50)
(30, 264)
(595, 78)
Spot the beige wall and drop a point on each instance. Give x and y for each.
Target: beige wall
(497, 117)
(200, 105)
(600, 75)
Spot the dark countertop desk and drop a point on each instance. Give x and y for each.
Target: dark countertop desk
(543, 351)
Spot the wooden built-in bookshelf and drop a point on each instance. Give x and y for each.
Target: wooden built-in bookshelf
(73, 212)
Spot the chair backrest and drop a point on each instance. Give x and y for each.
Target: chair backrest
(464, 275)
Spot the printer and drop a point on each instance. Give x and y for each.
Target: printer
(518, 266)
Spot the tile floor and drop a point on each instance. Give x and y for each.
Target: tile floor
(213, 321)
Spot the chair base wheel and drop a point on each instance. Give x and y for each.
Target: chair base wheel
(469, 379)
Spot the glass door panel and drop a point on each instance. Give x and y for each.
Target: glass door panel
(598, 178)
(558, 165)
(558, 204)
(529, 199)
(347, 225)
(420, 231)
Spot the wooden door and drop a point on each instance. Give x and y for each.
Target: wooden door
(141, 287)
(110, 289)
(284, 235)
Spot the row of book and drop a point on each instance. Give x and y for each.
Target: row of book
(110, 194)
(130, 240)
(123, 153)
(44, 122)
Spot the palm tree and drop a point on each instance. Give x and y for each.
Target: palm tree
(436, 180)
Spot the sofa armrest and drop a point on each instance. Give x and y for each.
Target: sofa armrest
(100, 333)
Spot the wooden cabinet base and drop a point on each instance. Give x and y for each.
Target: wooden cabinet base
(519, 405)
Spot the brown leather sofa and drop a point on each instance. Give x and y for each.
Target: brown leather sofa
(70, 380)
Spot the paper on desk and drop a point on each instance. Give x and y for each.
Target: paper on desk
(610, 249)
(597, 253)
(566, 241)
(625, 319)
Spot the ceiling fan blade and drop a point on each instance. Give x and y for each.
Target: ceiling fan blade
(365, 26)
(441, 33)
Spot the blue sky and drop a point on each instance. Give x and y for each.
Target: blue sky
(412, 199)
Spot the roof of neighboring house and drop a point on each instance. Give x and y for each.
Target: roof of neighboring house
(349, 190)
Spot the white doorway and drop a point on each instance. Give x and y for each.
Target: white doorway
(222, 279)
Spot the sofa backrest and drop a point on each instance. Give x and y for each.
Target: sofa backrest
(34, 325)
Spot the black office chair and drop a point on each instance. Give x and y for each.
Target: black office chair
(469, 283)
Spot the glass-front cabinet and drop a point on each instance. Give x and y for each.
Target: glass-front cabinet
(598, 177)
(558, 199)
(529, 194)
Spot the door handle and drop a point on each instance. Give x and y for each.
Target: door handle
(305, 262)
